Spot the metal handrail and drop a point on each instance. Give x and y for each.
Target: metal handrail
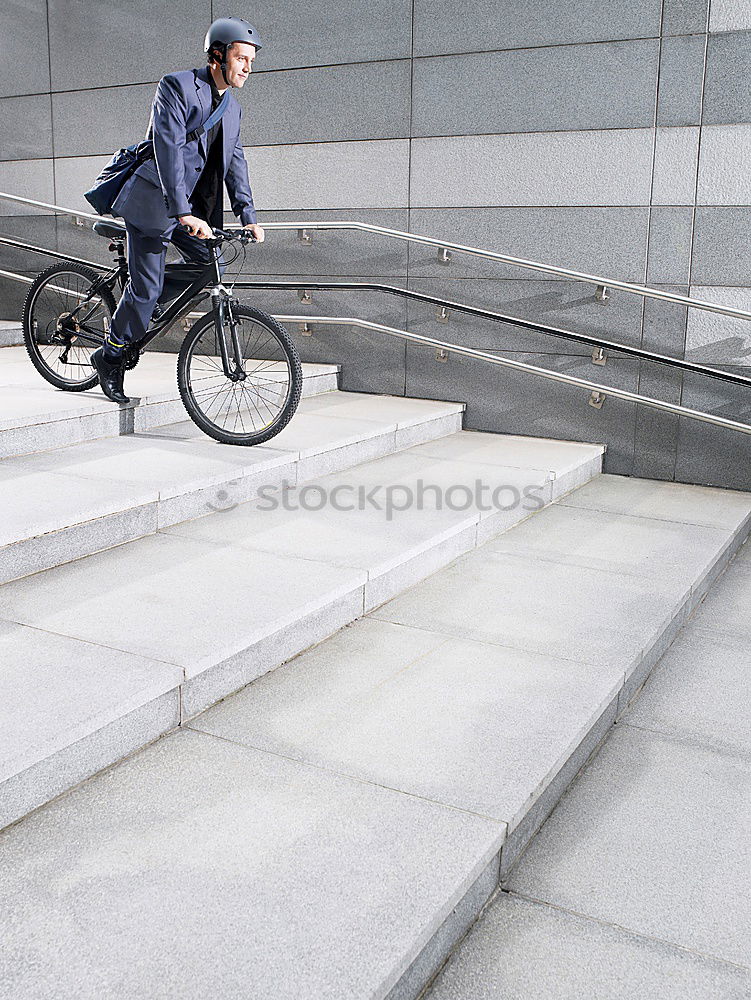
(17, 277)
(55, 208)
(525, 324)
(581, 338)
(594, 387)
(44, 252)
(605, 390)
(445, 245)
(589, 279)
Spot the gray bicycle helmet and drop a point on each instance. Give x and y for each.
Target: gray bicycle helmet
(226, 30)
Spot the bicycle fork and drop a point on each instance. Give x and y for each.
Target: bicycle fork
(232, 361)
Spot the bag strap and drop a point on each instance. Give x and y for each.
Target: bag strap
(145, 149)
(212, 119)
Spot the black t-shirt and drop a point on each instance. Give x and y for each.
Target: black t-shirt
(207, 199)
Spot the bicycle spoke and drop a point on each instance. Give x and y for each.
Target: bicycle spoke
(62, 325)
(245, 405)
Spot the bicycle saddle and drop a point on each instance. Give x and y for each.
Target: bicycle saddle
(110, 230)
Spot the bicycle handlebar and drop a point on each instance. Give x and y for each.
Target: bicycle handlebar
(241, 235)
(221, 236)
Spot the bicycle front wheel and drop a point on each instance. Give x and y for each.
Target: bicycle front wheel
(262, 397)
(64, 321)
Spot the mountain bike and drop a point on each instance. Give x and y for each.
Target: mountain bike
(238, 371)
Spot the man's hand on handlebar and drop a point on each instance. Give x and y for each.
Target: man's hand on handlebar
(257, 232)
(196, 227)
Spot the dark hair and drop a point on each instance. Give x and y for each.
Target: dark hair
(215, 52)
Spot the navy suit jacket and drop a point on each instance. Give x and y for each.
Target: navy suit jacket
(160, 188)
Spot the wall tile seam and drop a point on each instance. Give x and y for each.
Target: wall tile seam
(532, 131)
(384, 59)
(268, 212)
(696, 190)
(463, 135)
(408, 254)
(400, 58)
(403, 137)
(266, 72)
(727, 31)
(397, 138)
(357, 62)
(537, 48)
(34, 159)
(386, 138)
(199, 61)
(555, 45)
(641, 370)
(37, 159)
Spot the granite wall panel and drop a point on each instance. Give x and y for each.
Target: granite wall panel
(529, 90)
(564, 305)
(612, 167)
(722, 246)
(681, 80)
(444, 26)
(714, 339)
(23, 29)
(680, 17)
(328, 32)
(367, 100)
(124, 43)
(724, 175)
(25, 127)
(609, 241)
(727, 96)
(567, 135)
(511, 402)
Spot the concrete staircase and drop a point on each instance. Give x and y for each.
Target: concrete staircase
(35, 417)
(11, 333)
(334, 827)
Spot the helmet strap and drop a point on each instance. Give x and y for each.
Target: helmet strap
(223, 63)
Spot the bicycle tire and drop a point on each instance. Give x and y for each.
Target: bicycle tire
(197, 407)
(30, 330)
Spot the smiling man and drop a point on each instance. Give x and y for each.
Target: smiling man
(178, 195)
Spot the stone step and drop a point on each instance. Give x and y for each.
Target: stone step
(334, 828)
(527, 648)
(183, 617)
(679, 760)
(11, 333)
(67, 503)
(34, 416)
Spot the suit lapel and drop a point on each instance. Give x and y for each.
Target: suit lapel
(203, 91)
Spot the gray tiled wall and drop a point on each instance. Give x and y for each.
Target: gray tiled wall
(607, 137)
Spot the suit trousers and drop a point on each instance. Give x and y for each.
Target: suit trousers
(146, 260)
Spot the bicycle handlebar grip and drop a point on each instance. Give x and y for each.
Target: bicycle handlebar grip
(221, 234)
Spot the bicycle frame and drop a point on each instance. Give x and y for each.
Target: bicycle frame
(183, 304)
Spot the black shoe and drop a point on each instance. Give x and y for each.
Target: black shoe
(110, 376)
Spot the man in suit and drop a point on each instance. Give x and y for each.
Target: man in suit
(182, 186)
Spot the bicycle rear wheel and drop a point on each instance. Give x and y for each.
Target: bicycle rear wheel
(63, 323)
(262, 400)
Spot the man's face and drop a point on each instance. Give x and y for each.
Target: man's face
(240, 56)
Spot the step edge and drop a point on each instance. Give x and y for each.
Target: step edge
(290, 461)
